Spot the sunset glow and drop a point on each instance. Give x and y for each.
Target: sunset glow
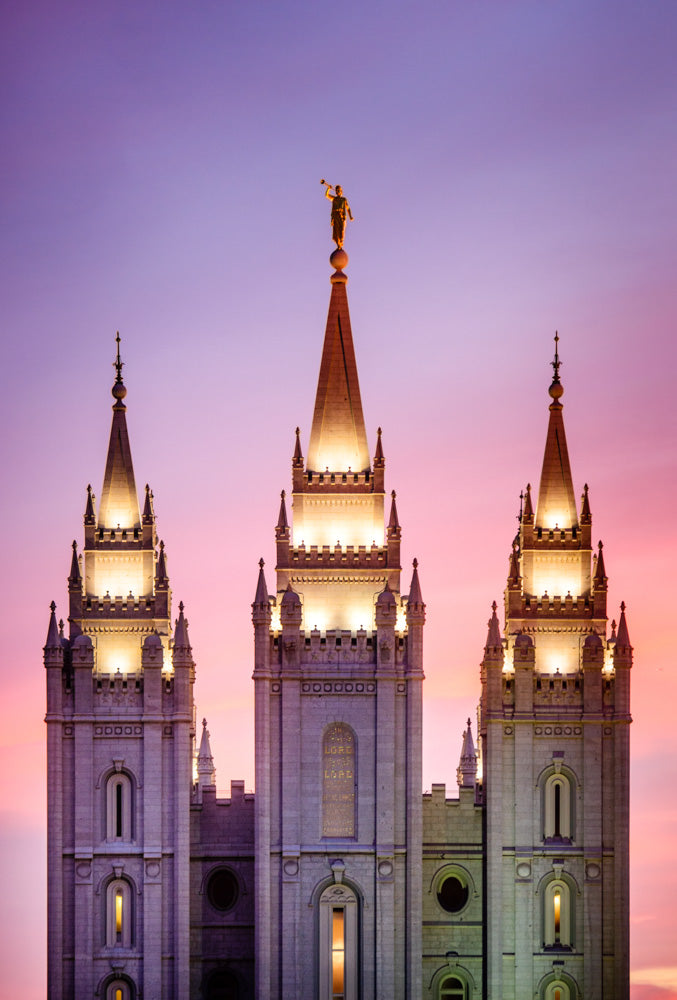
(511, 169)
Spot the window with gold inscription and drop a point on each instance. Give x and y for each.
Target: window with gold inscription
(338, 782)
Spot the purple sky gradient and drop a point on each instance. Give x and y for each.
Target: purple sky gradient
(511, 169)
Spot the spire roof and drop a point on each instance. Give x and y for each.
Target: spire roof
(338, 439)
(394, 521)
(466, 772)
(261, 596)
(181, 640)
(282, 521)
(556, 504)
(600, 572)
(205, 762)
(119, 501)
(75, 576)
(622, 637)
(494, 631)
(53, 629)
(415, 588)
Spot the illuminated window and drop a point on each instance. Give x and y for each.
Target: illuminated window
(558, 917)
(119, 989)
(119, 808)
(119, 903)
(338, 952)
(558, 807)
(452, 988)
(557, 990)
(338, 784)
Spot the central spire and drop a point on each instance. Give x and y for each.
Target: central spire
(556, 504)
(338, 439)
(119, 500)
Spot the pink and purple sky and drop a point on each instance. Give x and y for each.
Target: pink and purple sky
(511, 168)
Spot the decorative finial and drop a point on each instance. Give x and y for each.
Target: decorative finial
(119, 391)
(180, 605)
(468, 722)
(204, 723)
(494, 606)
(52, 607)
(519, 516)
(622, 605)
(261, 563)
(415, 564)
(556, 389)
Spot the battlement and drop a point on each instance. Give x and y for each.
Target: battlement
(335, 482)
(530, 606)
(328, 556)
(131, 606)
(120, 539)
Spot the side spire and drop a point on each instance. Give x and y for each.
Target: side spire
(119, 501)
(53, 640)
(556, 506)
(206, 772)
(494, 631)
(466, 772)
(338, 438)
(261, 596)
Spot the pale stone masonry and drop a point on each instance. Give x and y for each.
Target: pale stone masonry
(338, 879)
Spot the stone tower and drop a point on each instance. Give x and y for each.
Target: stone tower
(554, 728)
(338, 677)
(120, 735)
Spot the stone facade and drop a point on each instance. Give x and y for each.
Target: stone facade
(338, 879)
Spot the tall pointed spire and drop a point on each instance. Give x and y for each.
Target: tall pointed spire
(415, 597)
(556, 504)
(119, 501)
(622, 637)
(282, 522)
(338, 439)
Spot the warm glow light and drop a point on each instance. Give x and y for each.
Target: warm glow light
(556, 520)
(401, 621)
(337, 952)
(118, 911)
(557, 662)
(275, 620)
(556, 904)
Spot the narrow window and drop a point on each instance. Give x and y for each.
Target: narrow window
(118, 915)
(119, 807)
(338, 970)
(558, 930)
(338, 953)
(558, 808)
(557, 914)
(558, 811)
(119, 919)
(118, 813)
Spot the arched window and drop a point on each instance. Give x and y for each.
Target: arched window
(119, 989)
(338, 939)
(119, 807)
(558, 807)
(451, 988)
(557, 991)
(119, 915)
(338, 782)
(558, 915)
(222, 985)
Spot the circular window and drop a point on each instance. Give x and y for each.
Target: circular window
(222, 889)
(452, 894)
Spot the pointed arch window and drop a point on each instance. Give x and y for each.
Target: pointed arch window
(338, 781)
(119, 915)
(558, 915)
(338, 944)
(119, 807)
(558, 807)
